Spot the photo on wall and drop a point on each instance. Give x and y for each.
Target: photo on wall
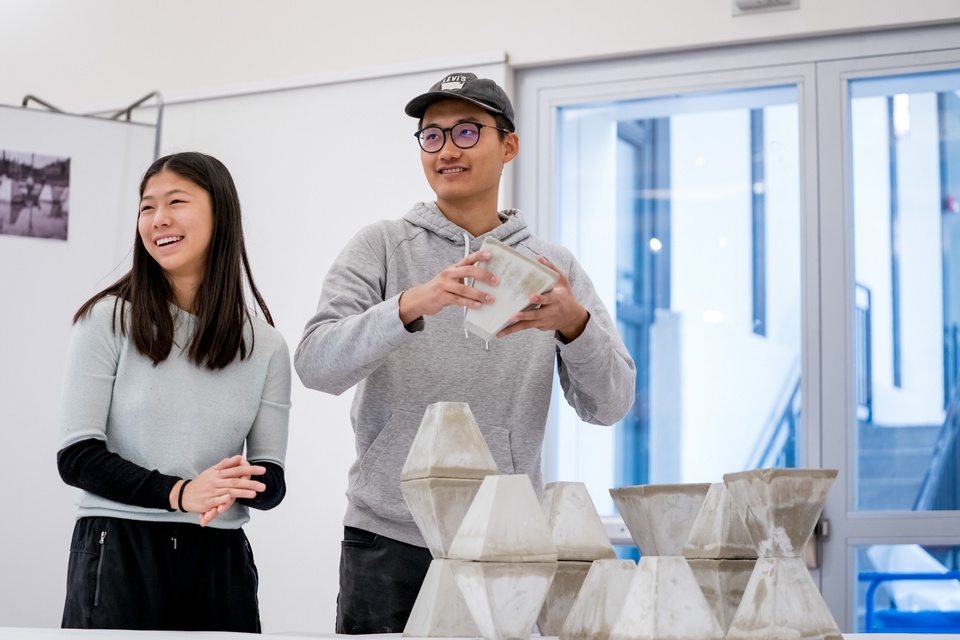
(34, 194)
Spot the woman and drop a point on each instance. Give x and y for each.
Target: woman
(169, 378)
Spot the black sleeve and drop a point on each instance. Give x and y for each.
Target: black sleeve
(90, 466)
(276, 487)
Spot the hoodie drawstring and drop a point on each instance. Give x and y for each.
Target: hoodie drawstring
(466, 252)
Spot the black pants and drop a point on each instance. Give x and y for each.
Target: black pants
(130, 574)
(379, 582)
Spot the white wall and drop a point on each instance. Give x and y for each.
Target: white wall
(85, 55)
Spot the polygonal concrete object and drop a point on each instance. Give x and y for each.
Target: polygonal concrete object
(520, 277)
(781, 600)
(722, 583)
(574, 522)
(561, 596)
(440, 610)
(504, 597)
(504, 524)
(600, 600)
(448, 444)
(780, 507)
(718, 531)
(664, 602)
(660, 516)
(438, 506)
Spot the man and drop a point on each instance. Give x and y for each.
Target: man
(390, 320)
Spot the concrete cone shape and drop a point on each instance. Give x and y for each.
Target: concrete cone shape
(665, 602)
(438, 506)
(561, 596)
(520, 277)
(600, 600)
(781, 600)
(440, 610)
(718, 531)
(660, 516)
(574, 523)
(723, 583)
(504, 597)
(448, 444)
(504, 524)
(780, 507)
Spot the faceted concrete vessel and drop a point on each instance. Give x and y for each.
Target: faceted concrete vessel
(448, 444)
(561, 596)
(718, 531)
(781, 600)
(520, 277)
(580, 538)
(722, 583)
(504, 524)
(600, 600)
(504, 597)
(665, 602)
(660, 516)
(574, 523)
(440, 610)
(780, 508)
(438, 506)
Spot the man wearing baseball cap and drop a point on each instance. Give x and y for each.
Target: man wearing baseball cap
(390, 320)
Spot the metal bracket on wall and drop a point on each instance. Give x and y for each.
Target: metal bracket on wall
(744, 7)
(128, 111)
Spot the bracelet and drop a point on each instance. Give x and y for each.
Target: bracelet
(180, 495)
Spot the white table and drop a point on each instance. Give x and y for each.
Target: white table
(22, 633)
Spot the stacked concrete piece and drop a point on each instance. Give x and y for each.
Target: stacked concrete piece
(444, 470)
(780, 508)
(720, 554)
(576, 529)
(507, 558)
(664, 601)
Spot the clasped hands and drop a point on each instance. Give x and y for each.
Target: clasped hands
(217, 488)
(556, 310)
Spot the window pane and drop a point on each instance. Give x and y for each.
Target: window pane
(905, 140)
(701, 194)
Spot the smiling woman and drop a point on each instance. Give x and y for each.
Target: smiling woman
(176, 226)
(167, 474)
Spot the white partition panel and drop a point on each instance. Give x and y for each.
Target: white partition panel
(42, 283)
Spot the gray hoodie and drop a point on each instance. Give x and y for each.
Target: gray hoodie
(357, 338)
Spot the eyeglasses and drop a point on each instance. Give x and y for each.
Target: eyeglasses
(463, 135)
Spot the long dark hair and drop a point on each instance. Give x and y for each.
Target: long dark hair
(220, 304)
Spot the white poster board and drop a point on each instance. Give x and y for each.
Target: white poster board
(43, 280)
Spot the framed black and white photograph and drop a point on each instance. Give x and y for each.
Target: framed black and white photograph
(34, 194)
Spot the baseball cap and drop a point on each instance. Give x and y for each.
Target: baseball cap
(482, 92)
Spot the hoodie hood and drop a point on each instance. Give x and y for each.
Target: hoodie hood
(427, 215)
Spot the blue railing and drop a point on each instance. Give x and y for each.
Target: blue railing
(940, 489)
(777, 444)
(894, 621)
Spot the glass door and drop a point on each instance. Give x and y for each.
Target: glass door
(892, 391)
(682, 197)
(776, 229)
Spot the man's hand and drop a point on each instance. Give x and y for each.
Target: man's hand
(559, 310)
(448, 288)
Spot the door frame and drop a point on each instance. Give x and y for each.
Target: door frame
(848, 527)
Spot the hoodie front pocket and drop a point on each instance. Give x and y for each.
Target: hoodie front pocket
(378, 486)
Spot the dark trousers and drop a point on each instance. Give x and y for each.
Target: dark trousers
(131, 574)
(379, 582)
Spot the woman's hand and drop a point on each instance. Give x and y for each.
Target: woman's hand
(215, 489)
